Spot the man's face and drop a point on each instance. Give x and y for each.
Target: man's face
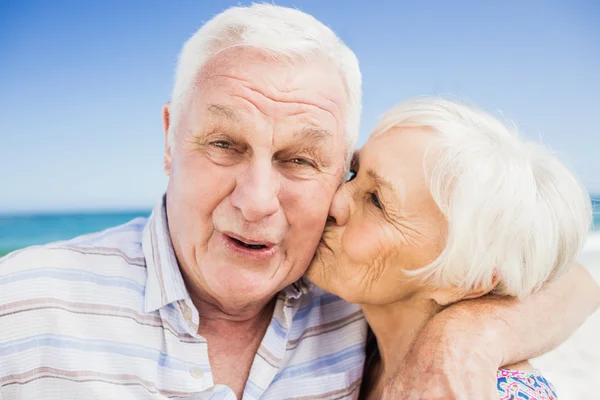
(258, 154)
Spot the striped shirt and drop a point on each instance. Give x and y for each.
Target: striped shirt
(107, 315)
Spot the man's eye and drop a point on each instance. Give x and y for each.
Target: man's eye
(351, 175)
(222, 144)
(375, 200)
(301, 161)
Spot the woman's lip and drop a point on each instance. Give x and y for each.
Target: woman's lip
(233, 245)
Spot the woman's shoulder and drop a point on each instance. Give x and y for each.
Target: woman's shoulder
(524, 385)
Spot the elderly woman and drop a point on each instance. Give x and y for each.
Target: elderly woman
(446, 203)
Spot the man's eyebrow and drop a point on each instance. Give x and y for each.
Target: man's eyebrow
(379, 180)
(313, 134)
(223, 111)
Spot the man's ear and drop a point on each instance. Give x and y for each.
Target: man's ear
(445, 297)
(166, 123)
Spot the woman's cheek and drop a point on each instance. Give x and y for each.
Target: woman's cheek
(362, 243)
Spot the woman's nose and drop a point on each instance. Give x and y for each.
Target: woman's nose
(341, 207)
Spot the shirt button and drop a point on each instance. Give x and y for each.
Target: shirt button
(187, 313)
(197, 372)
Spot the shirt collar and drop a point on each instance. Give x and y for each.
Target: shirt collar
(301, 287)
(165, 284)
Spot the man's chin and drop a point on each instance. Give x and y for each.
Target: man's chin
(241, 286)
(239, 299)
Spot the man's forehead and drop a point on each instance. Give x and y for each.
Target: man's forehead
(307, 132)
(309, 81)
(296, 102)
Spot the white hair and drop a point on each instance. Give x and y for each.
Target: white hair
(285, 33)
(515, 213)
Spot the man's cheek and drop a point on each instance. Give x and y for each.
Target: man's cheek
(319, 206)
(206, 183)
(305, 207)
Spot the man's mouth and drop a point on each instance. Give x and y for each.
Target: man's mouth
(249, 246)
(255, 248)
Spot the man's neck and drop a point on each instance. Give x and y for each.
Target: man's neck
(249, 319)
(209, 309)
(396, 326)
(233, 340)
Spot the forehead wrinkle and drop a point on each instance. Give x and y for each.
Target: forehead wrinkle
(246, 87)
(254, 97)
(210, 77)
(226, 64)
(284, 100)
(253, 105)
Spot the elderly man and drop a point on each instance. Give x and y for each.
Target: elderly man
(206, 298)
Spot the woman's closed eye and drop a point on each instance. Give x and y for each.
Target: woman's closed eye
(375, 200)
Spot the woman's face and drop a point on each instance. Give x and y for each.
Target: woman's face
(382, 222)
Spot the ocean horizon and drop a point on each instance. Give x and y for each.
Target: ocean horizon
(20, 230)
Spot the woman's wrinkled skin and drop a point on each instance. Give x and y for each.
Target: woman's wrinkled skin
(384, 223)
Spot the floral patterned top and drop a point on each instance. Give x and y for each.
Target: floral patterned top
(520, 385)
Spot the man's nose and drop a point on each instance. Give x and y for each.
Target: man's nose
(341, 207)
(256, 191)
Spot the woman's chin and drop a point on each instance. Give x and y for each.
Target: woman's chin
(312, 274)
(315, 274)
(322, 272)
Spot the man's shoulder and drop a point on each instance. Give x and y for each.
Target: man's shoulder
(100, 263)
(122, 242)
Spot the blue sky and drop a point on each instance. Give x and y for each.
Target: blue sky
(82, 83)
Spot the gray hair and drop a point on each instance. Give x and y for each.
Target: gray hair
(285, 33)
(514, 211)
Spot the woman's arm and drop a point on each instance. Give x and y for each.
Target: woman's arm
(459, 351)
